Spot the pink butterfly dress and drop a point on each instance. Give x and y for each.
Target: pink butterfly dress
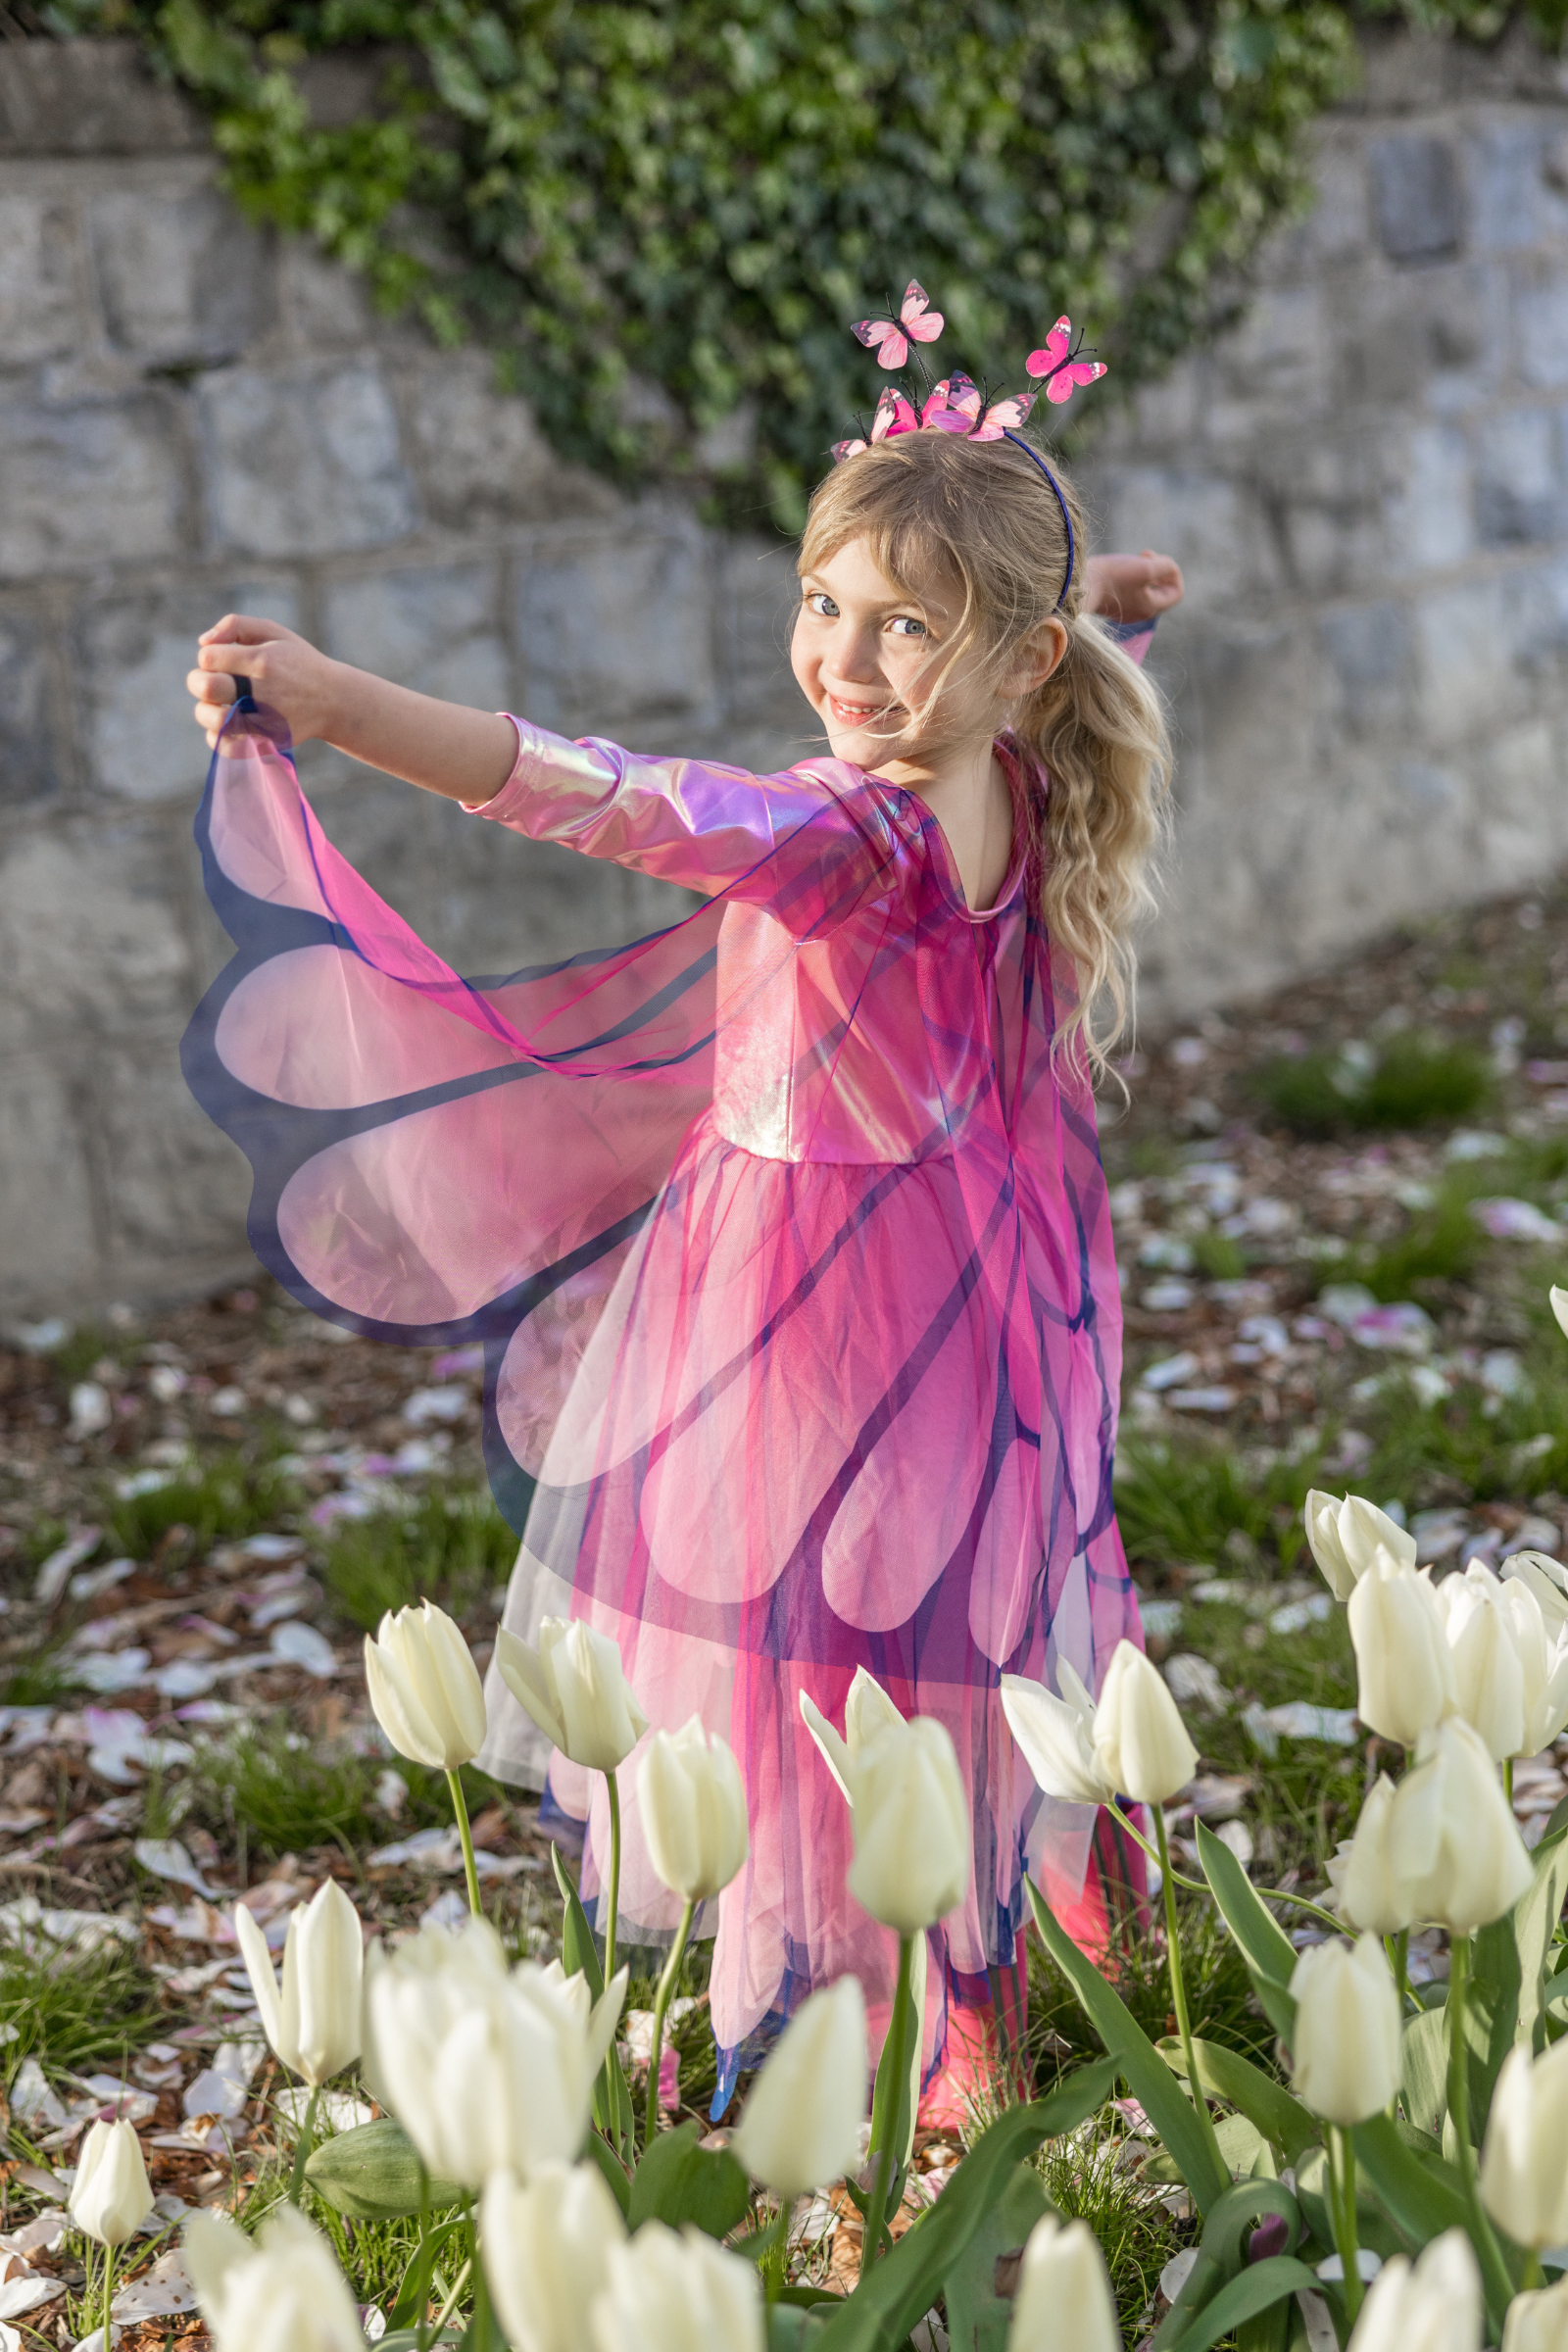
(788, 1241)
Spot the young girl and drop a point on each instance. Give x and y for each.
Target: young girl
(786, 1229)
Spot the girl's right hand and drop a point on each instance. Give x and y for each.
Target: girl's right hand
(286, 673)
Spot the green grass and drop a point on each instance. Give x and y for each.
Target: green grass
(1218, 1256)
(228, 1498)
(1443, 1243)
(1137, 2235)
(74, 2012)
(269, 1793)
(1412, 1082)
(34, 1681)
(1219, 1993)
(452, 1549)
(1189, 1502)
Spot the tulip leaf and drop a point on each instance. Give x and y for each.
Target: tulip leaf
(1147, 2075)
(904, 2285)
(604, 2155)
(1275, 2112)
(1424, 2071)
(678, 2182)
(1267, 1950)
(372, 2174)
(1506, 1996)
(1535, 1926)
(1422, 2195)
(1256, 2288)
(578, 1950)
(979, 2313)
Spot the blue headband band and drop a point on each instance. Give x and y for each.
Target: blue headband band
(1019, 443)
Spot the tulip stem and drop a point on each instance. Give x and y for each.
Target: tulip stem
(1341, 2204)
(304, 2142)
(109, 2298)
(666, 1985)
(614, 1910)
(459, 1806)
(885, 2161)
(1507, 1781)
(1498, 2285)
(1265, 1894)
(1398, 1951)
(1178, 1995)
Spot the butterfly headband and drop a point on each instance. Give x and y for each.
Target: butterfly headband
(956, 405)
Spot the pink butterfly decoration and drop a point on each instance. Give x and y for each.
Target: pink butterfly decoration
(960, 411)
(890, 338)
(894, 415)
(1056, 363)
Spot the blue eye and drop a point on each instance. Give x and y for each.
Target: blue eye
(906, 626)
(822, 604)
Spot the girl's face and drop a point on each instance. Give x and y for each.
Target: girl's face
(865, 656)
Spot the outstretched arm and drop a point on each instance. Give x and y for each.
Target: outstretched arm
(442, 746)
(1133, 588)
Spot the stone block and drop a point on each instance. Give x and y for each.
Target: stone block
(1272, 368)
(479, 456)
(1438, 335)
(1520, 492)
(303, 462)
(180, 277)
(1370, 654)
(760, 594)
(325, 306)
(88, 483)
(90, 97)
(1213, 525)
(1328, 497)
(1417, 197)
(618, 628)
(1521, 806)
(1464, 662)
(1431, 507)
(90, 930)
(1541, 313)
(39, 313)
(136, 647)
(1335, 230)
(28, 758)
(178, 1187)
(48, 1246)
(1503, 162)
(1534, 609)
(1403, 70)
(434, 629)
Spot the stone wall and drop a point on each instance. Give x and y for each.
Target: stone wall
(1367, 482)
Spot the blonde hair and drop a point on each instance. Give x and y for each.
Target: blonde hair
(982, 517)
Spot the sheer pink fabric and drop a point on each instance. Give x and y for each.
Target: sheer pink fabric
(790, 1242)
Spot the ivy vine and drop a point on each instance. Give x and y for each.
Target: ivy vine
(660, 213)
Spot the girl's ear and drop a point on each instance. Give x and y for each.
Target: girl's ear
(1040, 654)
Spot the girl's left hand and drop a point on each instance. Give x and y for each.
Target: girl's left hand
(1133, 587)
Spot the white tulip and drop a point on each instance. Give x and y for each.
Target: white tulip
(575, 1689)
(488, 2068)
(1523, 2164)
(1374, 1880)
(1488, 1678)
(425, 1688)
(1547, 1579)
(1541, 1642)
(866, 1711)
(546, 2252)
(111, 2197)
(1436, 2307)
(313, 2024)
(1345, 1534)
(1405, 1671)
(692, 1805)
(1056, 1735)
(1559, 1305)
(1538, 2321)
(801, 2121)
(281, 2291)
(911, 1826)
(1455, 1832)
(673, 2294)
(1344, 2048)
(1141, 1742)
(1064, 2295)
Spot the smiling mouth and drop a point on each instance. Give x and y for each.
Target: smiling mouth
(858, 714)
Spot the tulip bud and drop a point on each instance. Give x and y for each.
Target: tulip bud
(1547, 1579)
(671, 2295)
(692, 1805)
(425, 1688)
(1559, 1305)
(1466, 1859)
(1373, 1877)
(1541, 1642)
(802, 2116)
(575, 1689)
(1064, 2295)
(1403, 1663)
(1344, 1536)
(1436, 2307)
(315, 2025)
(279, 2292)
(1141, 1742)
(866, 1711)
(488, 2068)
(1489, 1679)
(111, 2197)
(1538, 2321)
(546, 2252)
(1523, 2164)
(911, 1826)
(1346, 2045)
(1056, 1735)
